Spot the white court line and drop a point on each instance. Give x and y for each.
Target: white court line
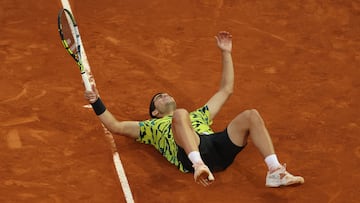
(116, 157)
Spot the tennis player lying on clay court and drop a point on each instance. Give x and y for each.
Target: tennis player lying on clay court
(185, 138)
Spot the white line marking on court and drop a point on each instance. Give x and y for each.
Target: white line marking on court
(116, 157)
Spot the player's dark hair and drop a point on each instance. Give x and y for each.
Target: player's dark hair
(152, 105)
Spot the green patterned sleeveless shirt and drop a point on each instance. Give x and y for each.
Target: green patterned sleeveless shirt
(158, 133)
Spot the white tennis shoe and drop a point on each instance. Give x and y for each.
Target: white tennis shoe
(280, 177)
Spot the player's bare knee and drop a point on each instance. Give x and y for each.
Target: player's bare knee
(254, 117)
(248, 114)
(254, 112)
(180, 115)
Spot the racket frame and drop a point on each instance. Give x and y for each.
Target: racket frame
(76, 35)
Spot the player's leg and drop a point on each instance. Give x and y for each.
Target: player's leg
(184, 134)
(250, 123)
(186, 138)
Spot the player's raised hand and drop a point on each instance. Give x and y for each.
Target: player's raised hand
(224, 41)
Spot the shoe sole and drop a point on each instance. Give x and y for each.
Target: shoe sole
(293, 183)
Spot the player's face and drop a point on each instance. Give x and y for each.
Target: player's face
(165, 104)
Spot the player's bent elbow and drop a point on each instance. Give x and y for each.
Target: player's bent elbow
(226, 91)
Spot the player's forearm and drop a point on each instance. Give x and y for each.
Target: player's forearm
(104, 115)
(127, 128)
(227, 81)
(108, 120)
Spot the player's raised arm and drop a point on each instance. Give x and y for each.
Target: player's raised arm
(224, 42)
(127, 128)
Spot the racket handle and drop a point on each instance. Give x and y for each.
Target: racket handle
(85, 78)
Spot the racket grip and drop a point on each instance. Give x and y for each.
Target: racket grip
(85, 78)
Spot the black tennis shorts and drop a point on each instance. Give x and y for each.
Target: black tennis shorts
(216, 150)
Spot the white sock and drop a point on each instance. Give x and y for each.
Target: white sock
(272, 162)
(195, 157)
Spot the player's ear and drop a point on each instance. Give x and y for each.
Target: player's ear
(155, 113)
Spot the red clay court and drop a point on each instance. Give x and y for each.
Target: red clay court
(296, 62)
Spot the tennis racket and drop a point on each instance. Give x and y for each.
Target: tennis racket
(70, 38)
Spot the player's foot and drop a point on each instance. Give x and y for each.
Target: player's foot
(280, 177)
(202, 174)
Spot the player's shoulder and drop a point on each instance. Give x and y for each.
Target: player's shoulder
(203, 109)
(155, 121)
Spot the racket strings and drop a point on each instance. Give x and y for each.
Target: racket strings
(68, 30)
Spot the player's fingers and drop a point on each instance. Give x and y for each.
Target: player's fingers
(221, 35)
(207, 181)
(93, 99)
(93, 87)
(87, 94)
(203, 183)
(90, 96)
(211, 178)
(227, 35)
(224, 33)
